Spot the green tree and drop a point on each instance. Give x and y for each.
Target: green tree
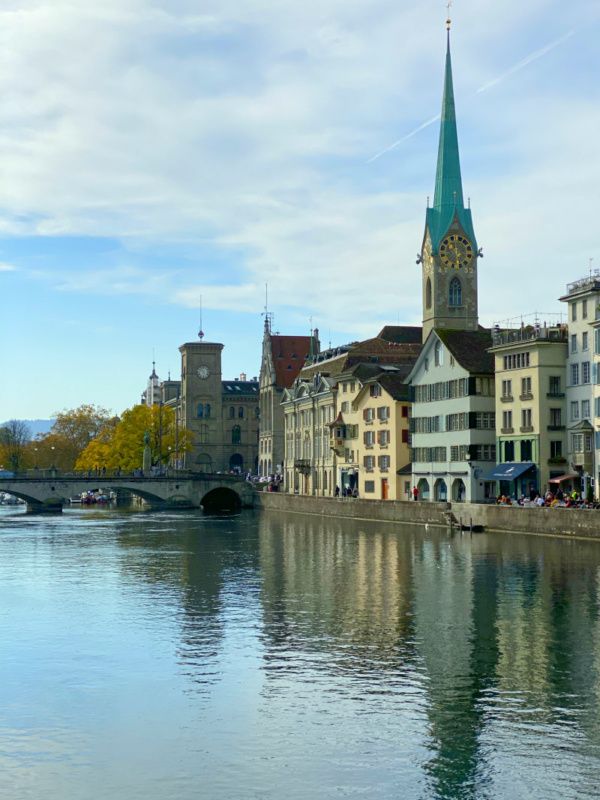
(15, 437)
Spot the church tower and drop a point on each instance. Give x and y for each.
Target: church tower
(449, 252)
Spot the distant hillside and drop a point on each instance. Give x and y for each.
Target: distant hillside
(36, 425)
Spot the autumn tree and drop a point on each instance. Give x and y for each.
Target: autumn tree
(122, 444)
(15, 437)
(71, 432)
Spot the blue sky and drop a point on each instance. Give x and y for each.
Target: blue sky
(151, 152)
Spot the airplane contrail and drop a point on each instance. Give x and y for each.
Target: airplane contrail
(526, 61)
(404, 138)
(493, 82)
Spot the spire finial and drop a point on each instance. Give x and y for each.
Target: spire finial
(448, 21)
(200, 331)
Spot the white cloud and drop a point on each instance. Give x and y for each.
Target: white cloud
(248, 127)
(7, 267)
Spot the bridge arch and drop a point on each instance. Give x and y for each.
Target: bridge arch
(222, 498)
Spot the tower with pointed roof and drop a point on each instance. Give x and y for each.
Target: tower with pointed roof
(449, 252)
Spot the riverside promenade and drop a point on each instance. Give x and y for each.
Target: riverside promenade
(564, 522)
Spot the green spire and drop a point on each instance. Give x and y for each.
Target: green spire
(448, 183)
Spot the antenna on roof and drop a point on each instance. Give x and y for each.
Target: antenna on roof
(201, 332)
(266, 313)
(591, 259)
(329, 338)
(311, 325)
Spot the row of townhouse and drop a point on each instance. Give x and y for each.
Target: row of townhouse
(349, 432)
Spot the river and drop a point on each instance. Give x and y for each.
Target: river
(269, 656)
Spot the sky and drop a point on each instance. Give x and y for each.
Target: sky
(155, 152)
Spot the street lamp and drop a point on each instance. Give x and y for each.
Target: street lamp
(35, 450)
(52, 448)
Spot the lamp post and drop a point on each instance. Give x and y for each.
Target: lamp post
(35, 457)
(52, 467)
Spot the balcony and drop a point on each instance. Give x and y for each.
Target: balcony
(302, 465)
(526, 428)
(526, 396)
(507, 430)
(556, 427)
(506, 398)
(557, 395)
(557, 460)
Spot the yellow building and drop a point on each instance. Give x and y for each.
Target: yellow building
(531, 414)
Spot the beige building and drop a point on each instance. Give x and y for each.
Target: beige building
(531, 411)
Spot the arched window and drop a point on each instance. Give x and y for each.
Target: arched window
(204, 462)
(428, 293)
(439, 354)
(236, 434)
(200, 411)
(236, 462)
(203, 435)
(207, 412)
(455, 292)
(231, 412)
(241, 412)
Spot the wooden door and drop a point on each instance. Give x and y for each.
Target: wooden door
(384, 488)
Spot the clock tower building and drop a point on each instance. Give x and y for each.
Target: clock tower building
(449, 252)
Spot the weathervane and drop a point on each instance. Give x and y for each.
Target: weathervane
(448, 21)
(201, 332)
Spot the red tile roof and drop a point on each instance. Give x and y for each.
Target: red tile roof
(289, 355)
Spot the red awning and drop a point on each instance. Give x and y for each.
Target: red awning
(562, 478)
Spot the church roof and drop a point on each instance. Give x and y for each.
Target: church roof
(470, 349)
(240, 388)
(289, 354)
(448, 199)
(401, 334)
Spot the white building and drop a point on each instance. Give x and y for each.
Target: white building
(583, 299)
(453, 422)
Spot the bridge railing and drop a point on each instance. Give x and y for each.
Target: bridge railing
(105, 475)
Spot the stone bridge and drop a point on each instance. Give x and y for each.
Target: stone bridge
(49, 490)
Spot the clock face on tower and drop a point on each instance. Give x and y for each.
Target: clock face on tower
(456, 251)
(203, 372)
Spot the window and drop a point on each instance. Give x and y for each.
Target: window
(257, 413)
(369, 414)
(375, 390)
(555, 385)
(485, 420)
(200, 411)
(369, 487)
(384, 463)
(485, 452)
(383, 437)
(439, 354)
(585, 341)
(573, 342)
(236, 434)
(344, 386)
(597, 407)
(207, 411)
(588, 443)
(369, 438)
(516, 361)
(555, 449)
(506, 389)
(405, 436)
(597, 341)
(526, 450)
(585, 409)
(574, 410)
(231, 412)
(556, 418)
(585, 372)
(526, 418)
(509, 451)
(353, 386)
(455, 292)
(203, 434)
(241, 412)
(525, 385)
(574, 374)
(507, 420)
(405, 411)
(577, 443)
(428, 293)
(573, 312)
(345, 406)
(584, 311)
(383, 413)
(368, 462)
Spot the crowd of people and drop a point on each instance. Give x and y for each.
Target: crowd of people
(558, 499)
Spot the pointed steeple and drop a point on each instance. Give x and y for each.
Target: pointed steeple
(448, 183)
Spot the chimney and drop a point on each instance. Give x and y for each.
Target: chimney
(242, 376)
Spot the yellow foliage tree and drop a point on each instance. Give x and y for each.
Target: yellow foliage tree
(122, 444)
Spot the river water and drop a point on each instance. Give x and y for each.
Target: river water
(270, 656)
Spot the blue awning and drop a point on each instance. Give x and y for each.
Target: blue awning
(508, 471)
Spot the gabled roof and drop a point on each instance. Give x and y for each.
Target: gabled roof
(401, 334)
(375, 351)
(289, 354)
(469, 348)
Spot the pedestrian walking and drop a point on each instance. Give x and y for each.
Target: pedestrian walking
(415, 493)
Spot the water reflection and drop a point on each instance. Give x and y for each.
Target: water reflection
(287, 656)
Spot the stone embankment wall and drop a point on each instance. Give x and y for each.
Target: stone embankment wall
(546, 521)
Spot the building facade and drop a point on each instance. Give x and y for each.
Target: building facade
(531, 438)
(583, 300)
(282, 359)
